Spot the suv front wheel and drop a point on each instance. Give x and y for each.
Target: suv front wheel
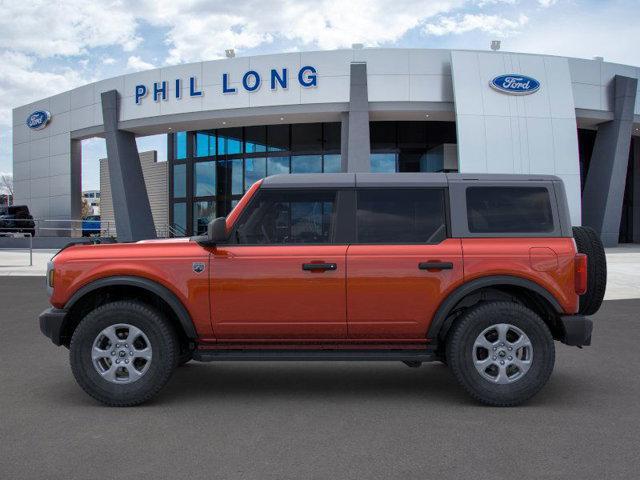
(502, 353)
(123, 353)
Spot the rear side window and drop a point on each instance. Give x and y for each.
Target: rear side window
(401, 216)
(288, 217)
(509, 210)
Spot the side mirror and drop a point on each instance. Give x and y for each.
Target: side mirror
(217, 230)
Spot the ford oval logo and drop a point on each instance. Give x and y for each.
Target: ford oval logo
(515, 84)
(38, 119)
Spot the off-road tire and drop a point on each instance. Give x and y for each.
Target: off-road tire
(460, 346)
(589, 243)
(184, 356)
(164, 347)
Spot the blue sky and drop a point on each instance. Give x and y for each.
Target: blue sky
(48, 48)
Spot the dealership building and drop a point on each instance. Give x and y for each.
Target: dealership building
(231, 122)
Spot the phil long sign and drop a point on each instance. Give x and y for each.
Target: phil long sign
(250, 81)
(515, 84)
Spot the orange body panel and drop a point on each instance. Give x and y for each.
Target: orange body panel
(263, 292)
(167, 262)
(389, 297)
(529, 258)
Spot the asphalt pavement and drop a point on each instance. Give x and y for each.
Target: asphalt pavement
(317, 420)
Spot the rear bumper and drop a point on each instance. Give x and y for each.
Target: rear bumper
(577, 330)
(51, 322)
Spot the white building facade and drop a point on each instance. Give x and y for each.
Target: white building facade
(345, 110)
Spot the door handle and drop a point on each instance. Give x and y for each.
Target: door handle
(435, 266)
(319, 267)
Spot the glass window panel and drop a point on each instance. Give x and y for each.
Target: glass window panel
(290, 217)
(332, 164)
(229, 141)
(180, 145)
(278, 137)
(383, 162)
(276, 165)
(306, 164)
(412, 135)
(509, 209)
(180, 217)
(401, 216)
(383, 135)
(254, 170)
(255, 139)
(205, 144)
(306, 137)
(204, 179)
(179, 180)
(332, 136)
(236, 177)
(203, 213)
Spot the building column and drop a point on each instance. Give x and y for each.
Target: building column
(129, 194)
(636, 190)
(604, 187)
(355, 144)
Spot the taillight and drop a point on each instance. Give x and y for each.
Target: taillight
(580, 273)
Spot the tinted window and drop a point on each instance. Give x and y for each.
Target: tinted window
(180, 146)
(288, 217)
(205, 144)
(401, 216)
(306, 164)
(203, 213)
(204, 181)
(509, 209)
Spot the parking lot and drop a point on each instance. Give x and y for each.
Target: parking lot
(317, 420)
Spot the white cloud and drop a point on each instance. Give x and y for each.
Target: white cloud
(492, 24)
(108, 61)
(587, 37)
(325, 24)
(547, 3)
(20, 83)
(46, 29)
(135, 63)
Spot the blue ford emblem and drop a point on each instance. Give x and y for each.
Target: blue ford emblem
(515, 84)
(198, 267)
(38, 119)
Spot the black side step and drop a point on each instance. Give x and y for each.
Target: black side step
(314, 355)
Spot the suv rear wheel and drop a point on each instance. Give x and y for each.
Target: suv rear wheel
(123, 353)
(502, 353)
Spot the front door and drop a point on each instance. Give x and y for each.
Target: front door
(282, 276)
(401, 263)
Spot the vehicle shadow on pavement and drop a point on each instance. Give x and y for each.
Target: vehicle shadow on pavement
(431, 383)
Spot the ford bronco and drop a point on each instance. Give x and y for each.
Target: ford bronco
(480, 272)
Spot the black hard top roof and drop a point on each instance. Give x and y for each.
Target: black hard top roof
(345, 180)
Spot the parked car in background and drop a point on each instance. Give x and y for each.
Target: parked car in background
(17, 219)
(91, 225)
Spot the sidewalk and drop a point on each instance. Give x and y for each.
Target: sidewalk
(15, 262)
(623, 265)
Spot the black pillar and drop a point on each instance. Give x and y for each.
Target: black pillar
(604, 188)
(130, 201)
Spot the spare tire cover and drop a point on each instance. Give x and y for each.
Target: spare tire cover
(589, 243)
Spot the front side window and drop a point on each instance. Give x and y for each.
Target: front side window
(401, 216)
(278, 217)
(509, 210)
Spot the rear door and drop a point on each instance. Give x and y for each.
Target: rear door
(401, 264)
(283, 277)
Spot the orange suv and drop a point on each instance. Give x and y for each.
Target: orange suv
(481, 272)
